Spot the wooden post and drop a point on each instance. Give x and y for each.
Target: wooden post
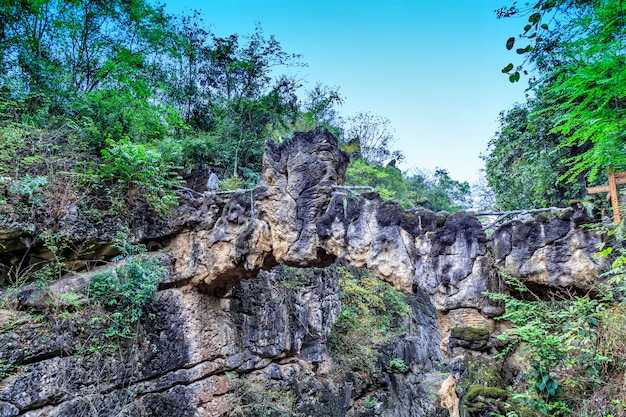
(614, 179)
(613, 194)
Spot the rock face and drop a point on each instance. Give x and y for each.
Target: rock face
(551, 251)
(212, 337)
(201, 353)
(301, 218)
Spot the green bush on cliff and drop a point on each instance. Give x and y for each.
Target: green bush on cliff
(372, 313)
(575, 347)
(124, 292)
(398, 366)
(129, 167)
(251, 397)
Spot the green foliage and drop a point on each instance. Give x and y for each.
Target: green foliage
(438, 191)
(420, 189)
(372, 313)
(398, 366)
(295, 278)
(577, 49)
(117, 113)
(571, 345)
(30, 188)
(523, 164)
(125, 292)
(131, 167)
(386, 180)
(67, 48)
(13, 139)
(127, 72)
(233, 183)
(259, 398)
(370, 402)
(316, 110)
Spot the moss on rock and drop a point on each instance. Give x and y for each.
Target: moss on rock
(472, 338)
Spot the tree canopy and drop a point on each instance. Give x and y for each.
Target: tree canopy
(574, 52)
(136, 101)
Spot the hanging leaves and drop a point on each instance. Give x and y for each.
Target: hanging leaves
(577, 63)
(534, 18)
(510, 42)
(514, 77)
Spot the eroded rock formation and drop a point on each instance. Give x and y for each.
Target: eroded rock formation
(300, 218)
(209, 325)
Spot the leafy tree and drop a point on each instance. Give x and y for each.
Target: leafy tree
(572, 346)
(370, 137)
(129, 167)
(388, 180)
(437, 191)
(227, 87)
(318, 109)
(75, 46)
(577, 48)
(524, 161)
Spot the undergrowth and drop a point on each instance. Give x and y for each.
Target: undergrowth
(125, 291)
(574, 348)
(372, 313)
(251, 397)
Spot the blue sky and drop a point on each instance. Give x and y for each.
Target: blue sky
(432, 68)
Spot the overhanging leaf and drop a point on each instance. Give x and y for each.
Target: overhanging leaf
(534, 18)
(510, 42)
(514, 77)
(507, 68)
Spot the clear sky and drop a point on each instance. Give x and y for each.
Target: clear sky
(433, 68)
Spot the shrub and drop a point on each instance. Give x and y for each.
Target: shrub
(125, 292)
(572, 345)
(259, 398)
(30, 188)
(372, 313)
(129, 167)
(398, 366)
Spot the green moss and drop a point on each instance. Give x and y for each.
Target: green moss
(476, 391)
(481, 400)
(477, 372)
(470, 333)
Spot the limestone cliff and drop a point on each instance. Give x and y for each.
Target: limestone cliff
(212, 338)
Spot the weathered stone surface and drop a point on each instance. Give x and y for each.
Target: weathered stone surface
(197, 345)
(208, 329)
(298, 218)
(550, 250)
(449, 399)
(299, 175)
(471, 338)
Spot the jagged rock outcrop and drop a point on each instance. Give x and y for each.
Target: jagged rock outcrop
(209, 327)
(552, 251)
(297, 218)
(200, 352)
